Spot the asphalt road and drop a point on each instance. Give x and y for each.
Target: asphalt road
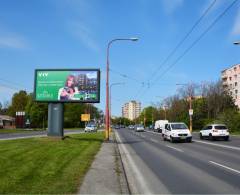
(32, 134)
(201, 167)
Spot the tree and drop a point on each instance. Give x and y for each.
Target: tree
(19, 102)
(149, 114)
(36, 112)
(121, 121)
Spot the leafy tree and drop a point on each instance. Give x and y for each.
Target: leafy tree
(121, 121)
(149, 114)
(36, 112)
(19, 102)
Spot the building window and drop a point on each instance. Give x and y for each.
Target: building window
(230, 78)
(235, 68)
(235, 76)
(235, 84)
(236, 91)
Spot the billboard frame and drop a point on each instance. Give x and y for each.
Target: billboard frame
(68, 101)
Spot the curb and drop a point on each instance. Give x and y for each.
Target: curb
(122, 165)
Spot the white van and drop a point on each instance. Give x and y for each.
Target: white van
(159, 125)
(176, 132)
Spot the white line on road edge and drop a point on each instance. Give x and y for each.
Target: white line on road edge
(22, 137)
(153, 140)
(129, 162)
(32, 136)
(231, 169)
(219, 145)
(179, 150)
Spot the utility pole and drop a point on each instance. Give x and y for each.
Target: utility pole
(190, 114)
(190, 104)
(144, 117)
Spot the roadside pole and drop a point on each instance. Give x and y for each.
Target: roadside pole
(190, 113)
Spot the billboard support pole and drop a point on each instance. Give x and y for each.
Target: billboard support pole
(55, 120)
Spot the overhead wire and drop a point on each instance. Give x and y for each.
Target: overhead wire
(184, 38)
(194, 42)
(180, 43)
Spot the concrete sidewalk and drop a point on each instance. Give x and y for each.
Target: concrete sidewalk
(106, 175)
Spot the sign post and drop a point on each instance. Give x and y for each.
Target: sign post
(190, 116)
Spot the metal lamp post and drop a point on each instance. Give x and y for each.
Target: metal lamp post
(107, 121)
(236, 43)
(110, 104)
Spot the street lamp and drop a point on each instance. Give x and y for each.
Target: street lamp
(190, 107)
(107, 122)
(110, 99)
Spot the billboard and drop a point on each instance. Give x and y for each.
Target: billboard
(67, 85)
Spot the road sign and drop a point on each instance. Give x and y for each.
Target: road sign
(85, 117)
(190, 111)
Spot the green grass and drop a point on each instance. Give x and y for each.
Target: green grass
(6, 131)
(235, 133)
(46, 165)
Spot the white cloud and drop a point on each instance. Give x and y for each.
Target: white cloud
(171, 5)
(12, 41)
(84, 34)
(236, 26)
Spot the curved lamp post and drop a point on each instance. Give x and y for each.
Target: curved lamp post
(110, 104)
(107, 119)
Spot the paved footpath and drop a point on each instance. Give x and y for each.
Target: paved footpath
(106, 175)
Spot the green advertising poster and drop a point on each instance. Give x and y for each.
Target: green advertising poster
(67, 85)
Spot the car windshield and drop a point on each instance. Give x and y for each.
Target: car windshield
(220, 127)
(178, 126)
(90, 125)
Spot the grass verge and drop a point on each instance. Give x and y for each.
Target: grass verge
(45, 165)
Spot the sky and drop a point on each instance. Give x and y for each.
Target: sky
(75, 33)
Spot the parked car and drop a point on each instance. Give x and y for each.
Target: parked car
(159, 125)
(139, 128)
(90, 128)
(117, 127)
(176, 132)
(215, 131)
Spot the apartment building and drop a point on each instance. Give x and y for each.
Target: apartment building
(231, 82)
(131, 110)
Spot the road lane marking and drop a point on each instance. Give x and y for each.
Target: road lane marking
(153, 132)
(229, 168)
(219, 145)
(153, 140)
(130, 162)
(177, 149)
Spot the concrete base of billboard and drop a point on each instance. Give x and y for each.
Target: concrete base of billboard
(55, 120)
